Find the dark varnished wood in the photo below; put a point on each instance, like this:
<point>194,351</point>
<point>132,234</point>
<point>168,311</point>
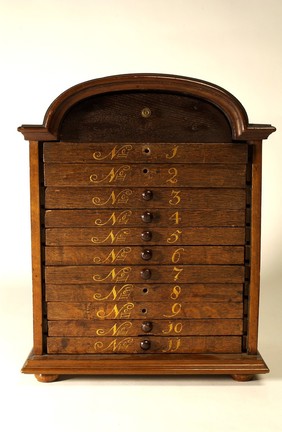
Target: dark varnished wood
<point>147,236</point>
<point>184,327</point>
<point>125,197</point>
<point>211,153</point>
<point>162,217</point>
<point>143,292</point>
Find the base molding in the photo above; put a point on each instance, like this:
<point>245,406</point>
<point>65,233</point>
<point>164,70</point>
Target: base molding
<point>241,366</point>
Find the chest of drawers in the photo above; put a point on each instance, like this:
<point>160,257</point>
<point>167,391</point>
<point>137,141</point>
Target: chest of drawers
<point>145,212</point>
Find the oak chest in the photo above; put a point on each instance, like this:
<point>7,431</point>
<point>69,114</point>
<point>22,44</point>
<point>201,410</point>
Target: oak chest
<point>145,208</point>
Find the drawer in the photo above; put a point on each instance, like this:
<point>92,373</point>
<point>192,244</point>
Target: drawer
<point>201,344</point>
<point>144,236</point>
<point>142,292</point>
<point>127,198</point>
<point>185,327</point>
<point>68,255</point>
<point>226,153</point>
<point>149,274</point>
<point>162,218</point>
<point>142,310</point>
<point>190,175</point>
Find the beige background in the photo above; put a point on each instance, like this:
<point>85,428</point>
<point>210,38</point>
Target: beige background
<point>48,46</point>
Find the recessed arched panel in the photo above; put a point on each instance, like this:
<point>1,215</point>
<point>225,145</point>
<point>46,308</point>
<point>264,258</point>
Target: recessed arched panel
<point>144,116</point>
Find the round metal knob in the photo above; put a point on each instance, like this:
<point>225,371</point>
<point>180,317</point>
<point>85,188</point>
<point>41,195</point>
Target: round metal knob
<point>145,344</point>
<point>146,235</point>
<point>147,217</point>
<point>145,274</point>
<point>147,195</point>
<point>146,254</point>
<point>147,326</point>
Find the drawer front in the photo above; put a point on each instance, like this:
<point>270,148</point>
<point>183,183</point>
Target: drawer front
<point>150,274</point>
<point>185,327</point>
<point>145,152</point>
<point>189,175</point>
<point>127,198</point>
<point>161,218</point>
<point>144,236</point>
<point>199,293</point>
<point>65,255</point>
<point>142,310</point>
<point>212,344</point>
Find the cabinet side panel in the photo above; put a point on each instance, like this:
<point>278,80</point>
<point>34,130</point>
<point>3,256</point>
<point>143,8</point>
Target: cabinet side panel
<point>36,247</point>
<point>255,248</point>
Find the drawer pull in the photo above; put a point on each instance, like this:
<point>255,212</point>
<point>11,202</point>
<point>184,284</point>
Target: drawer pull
<point>146,254</point>
<point>146,235</point>
<point>147,217</point>
<point>145,344</point>
<point>146,274</point>
<point>147,195</point>
<point>147,326</point>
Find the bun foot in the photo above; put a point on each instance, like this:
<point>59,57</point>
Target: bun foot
<point>242,377</point>
<point>46,378</point>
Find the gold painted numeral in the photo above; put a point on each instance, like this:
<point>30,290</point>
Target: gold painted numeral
<point>173,345</point>
<point>173,328</point>
<point>174,236</point>
<point>176,255</point>
<point>175,310</point>
<point>173,172</point>
<point>175,217</point>
<point>173,153</point>
<point>175,198</point>
<point>175,293</point>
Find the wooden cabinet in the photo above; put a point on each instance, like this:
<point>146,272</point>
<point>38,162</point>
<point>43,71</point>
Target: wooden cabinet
<point>145,208</point>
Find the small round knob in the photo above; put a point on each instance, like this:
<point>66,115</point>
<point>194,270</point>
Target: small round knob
<point>147,195</point>
<point>147,217</point>
<point>145,274</point>
<point>147,326</point>
<point>146,235</point>
<point>146,254</point>
<point>145,344</point>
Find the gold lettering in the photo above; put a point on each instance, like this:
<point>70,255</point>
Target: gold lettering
<point>119,237</point>
<point>175,293</point>
<point>174,151</point>
<point>116,330</point>
<point>175,198</point>
<point>122,218</point>
<point>173,173</point>
<point>120,276</point>
<point>175,310</point>
<point>116,312</point>
<point>178,271</point>
<point>175,216</point>
<point>116,345</point>
<point>122,294</point>
<point>176,255</point>
<point>113,256</point>
<point>174,237</point>
<point>173,345</point>
<point>121,198</point>
<point>173,328</point>
<point>118,153</point>
<point>114,175</point>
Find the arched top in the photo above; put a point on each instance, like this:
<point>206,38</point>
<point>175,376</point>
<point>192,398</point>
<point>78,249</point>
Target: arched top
<point>222,99</point>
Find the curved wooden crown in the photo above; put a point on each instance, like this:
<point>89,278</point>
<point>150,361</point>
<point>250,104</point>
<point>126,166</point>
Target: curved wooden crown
<point>226,102</point>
